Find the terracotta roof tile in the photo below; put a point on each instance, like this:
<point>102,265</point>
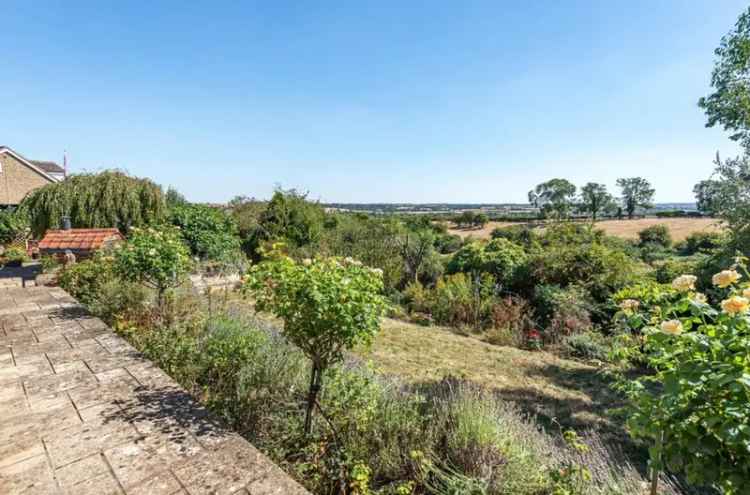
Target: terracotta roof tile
<point>78,239</point>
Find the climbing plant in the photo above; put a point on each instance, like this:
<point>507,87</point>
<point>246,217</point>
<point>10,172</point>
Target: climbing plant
<point>106,199</point>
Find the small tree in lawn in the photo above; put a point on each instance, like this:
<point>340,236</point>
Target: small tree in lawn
<point>328,306</point>
<point>157,259</point>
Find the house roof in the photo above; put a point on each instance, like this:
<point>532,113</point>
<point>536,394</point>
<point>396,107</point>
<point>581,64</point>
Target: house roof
<point>31,164</point>
<point>78,239</point>
<point>49,167</point>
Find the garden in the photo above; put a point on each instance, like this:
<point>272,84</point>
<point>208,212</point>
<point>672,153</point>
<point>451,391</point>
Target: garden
<point>382,354</point>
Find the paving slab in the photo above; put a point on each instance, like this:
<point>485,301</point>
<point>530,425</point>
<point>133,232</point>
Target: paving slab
<point>84,413</point>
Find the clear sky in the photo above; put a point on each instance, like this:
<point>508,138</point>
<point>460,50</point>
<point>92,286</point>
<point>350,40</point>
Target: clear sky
<point>378,101</point>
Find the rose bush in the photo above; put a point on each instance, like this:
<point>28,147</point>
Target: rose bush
<point>695,407</point>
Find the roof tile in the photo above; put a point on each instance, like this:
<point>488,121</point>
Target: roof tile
<point>78,239</point>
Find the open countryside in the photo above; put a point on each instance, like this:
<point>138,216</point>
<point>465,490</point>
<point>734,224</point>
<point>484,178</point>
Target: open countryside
<point>375,249</point>
<point>680,228</point>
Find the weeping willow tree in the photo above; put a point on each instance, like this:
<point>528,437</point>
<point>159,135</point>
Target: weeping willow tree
<point>107,199</point>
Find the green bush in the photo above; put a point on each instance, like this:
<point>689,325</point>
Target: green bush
<point>157,258</point>
<point>587,346</point>
<point>500,258</point>
<point>519,234</point>
<point>655,234</point>
<point>12,225</point>
<point>209,232</point>
<point>701,242</point>
<point>672,267</point>
<point>94,283</point>
<point>14,256</point>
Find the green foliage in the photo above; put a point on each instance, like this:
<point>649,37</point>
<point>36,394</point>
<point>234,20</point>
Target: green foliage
<point>106,199</point>
<point>701,242</point>
<point>370,240</point>
<point>596,200</point>
<point>471,219</point>
<point>209,232</point>
<point>173,198</point>
<point>290,217</point>
<point>500,258</point>
<point>693,409</point>
<point>553,198</point>
<point>672,267</point>
<point>95,284</point>
<point>522,235</point>
<point>562,311</point>
<point>157,258</point>
<point>587,346</point>
<point>636,193</point>
<point>14,256</point>
<point>328,306</point>
<point>574,255</point>
<point>12,225</point>
<point>656,234</point>
<point>729,194</point>
<point>729,104</point>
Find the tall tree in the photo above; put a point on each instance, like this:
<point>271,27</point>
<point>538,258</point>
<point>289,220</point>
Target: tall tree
<point>595,199</point>
<point>415,248</point>
<point>636,193</point>
<point>106,199</point>
<point>729,104</point>
<point>727,193</point>
<point>554,197</point>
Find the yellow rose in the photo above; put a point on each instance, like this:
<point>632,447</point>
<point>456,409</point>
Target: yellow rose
<point>684,283</point>
<point>671,327</point>
<point>746,293</point>
<point>725,278</point>
<point>629,304</point>
<point>735,304</point>
<point>699,298</point>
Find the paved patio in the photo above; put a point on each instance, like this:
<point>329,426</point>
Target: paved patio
<point>81,412</point>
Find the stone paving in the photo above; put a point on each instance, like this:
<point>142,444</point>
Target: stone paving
<point>82,412</point>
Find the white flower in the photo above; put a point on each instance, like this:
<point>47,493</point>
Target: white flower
<point>307,262</point>
<point>735,305</point>
<point>629,304</point>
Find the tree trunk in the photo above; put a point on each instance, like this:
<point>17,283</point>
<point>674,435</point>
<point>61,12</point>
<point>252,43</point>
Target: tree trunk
<point>312,396</point>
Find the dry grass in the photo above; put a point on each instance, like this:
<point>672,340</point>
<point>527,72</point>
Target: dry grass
<point>554,389</point>
<point>680,228</point>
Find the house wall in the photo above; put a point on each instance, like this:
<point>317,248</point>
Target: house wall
<point>17,179</point>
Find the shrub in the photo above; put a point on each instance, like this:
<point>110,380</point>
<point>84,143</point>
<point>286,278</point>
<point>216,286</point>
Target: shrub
<point>158,259</point>
<point>448,243</point>
<point>562,311</point>
<point>209,232</point>
<point>586,346</point>
<point>94,283</point>
<point>519,234</point>
<point>655,234</point>
<point>12,225</point>
<point>328,306</point>
<point>14,256</point>
<point>672,267</point>
<point>694,410</point>
<point>701,242</point>
<point>500,258</point>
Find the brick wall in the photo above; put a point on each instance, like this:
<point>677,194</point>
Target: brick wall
<point>17,179</point>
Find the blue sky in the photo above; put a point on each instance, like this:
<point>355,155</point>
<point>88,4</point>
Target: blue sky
<point>367,101</point>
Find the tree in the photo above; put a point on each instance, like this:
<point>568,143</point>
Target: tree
<point>174,197</point>
<point>481,219</point>
<point>155,258</point>
<point>328,306</point>
<point>106,199</point>
<point>729,104</point>
<point>554,197</point>
<point>636,193</point>
<point>727,193</point>
<point>415,248</point>
<point>465,219</point>
<point>209,232</point>
<point>706,193</point>
<point>595,199</point>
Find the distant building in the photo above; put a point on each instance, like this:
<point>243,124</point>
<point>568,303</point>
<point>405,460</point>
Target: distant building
<point>19,176</point>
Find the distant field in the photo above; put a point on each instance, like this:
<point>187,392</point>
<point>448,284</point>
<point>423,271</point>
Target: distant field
<point>680,228</point>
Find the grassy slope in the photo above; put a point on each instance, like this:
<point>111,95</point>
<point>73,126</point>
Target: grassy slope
<point>570,393</point>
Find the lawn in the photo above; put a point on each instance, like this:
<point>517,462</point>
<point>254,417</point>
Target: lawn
<point>556,390</point>
<point>680,228</point>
